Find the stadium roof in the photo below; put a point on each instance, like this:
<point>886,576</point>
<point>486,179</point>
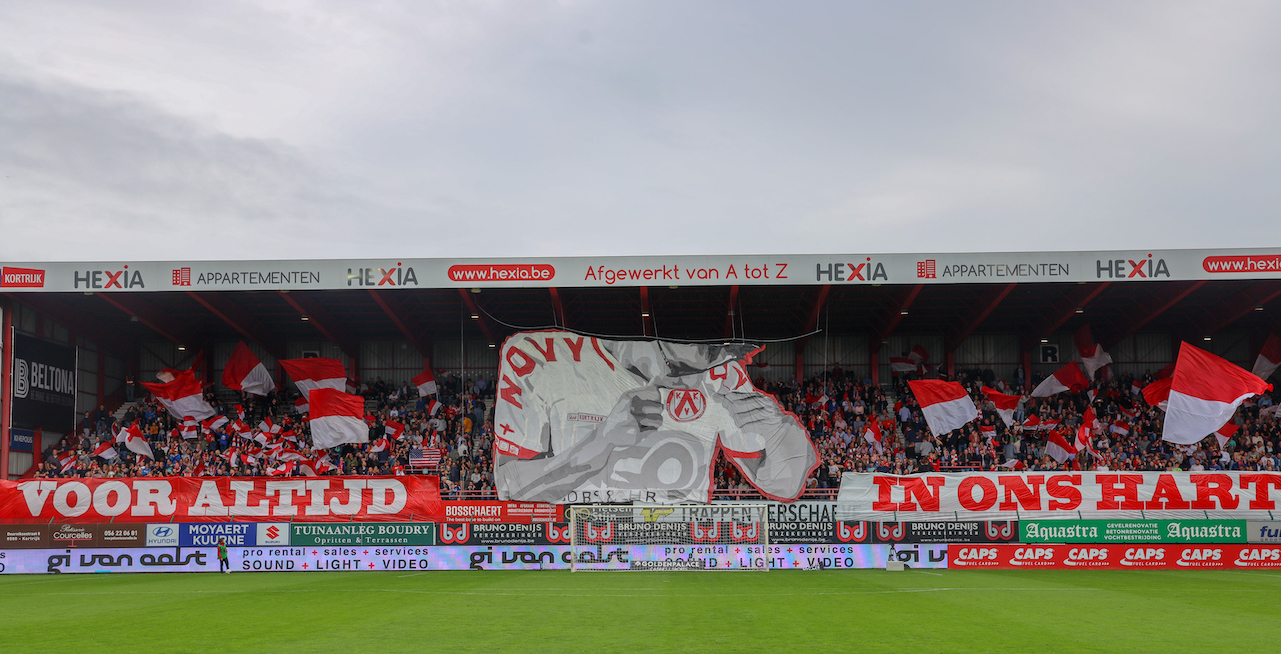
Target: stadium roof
<point>1188,293</point>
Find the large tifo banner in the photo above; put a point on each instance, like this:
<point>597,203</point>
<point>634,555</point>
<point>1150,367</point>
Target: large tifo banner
<point>585,420</point>
<point>1050,495</point>
<point>414,558</point>
<point>197,499</point>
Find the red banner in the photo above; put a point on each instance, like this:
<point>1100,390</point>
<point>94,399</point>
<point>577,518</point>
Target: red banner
<point>219,499</point>
<point>1046,495</point>
<point>501,512</point>
<point>1113,557</point>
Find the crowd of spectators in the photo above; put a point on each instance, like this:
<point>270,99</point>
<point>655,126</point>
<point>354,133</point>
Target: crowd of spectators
<point>836,408</point>
<point>461,430</point>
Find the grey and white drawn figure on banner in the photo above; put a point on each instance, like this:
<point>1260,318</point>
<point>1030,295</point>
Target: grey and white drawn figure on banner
<point>583,420</point>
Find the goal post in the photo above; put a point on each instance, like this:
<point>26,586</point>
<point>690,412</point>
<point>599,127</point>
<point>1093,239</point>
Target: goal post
<point>669,537</point>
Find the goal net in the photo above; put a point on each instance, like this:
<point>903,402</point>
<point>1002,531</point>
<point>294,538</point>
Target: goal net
<point>669,537</point>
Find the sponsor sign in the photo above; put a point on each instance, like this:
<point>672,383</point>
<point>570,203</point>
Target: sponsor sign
<point>1049,496</point>
<point>1133,531</point>
<point>112,559</point>
<point>44,384</point>
<point>371,558</point>
<point>501,512</point>
<point>631,271</point>
<point>91,535</point>
<point>701,402</point>
<point>1115,557</point>
<point>272,534</point>
<point>24,536</point>
<point>162,535</point>
<point>534,533</point>
<point>236,534</point>
<point>21,277</point>
<point>191,499</point>
<point>1263,532</point>
<point>21,440</point>
<point>362,534</point>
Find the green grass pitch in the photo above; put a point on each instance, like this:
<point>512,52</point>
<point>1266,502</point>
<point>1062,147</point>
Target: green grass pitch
<point>787,611</point>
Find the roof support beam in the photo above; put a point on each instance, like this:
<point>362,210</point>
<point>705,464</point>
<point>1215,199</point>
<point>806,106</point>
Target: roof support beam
<point>983,307</point>
<point>647,321</point>
<point>1146,311</point>
<point>476,315</point>
<point>810,324</point>
<point>894,315</point>
<point>1235,308</point>
<point>105,337</point>
<point>147,314</point>
<point>1067,306</point>
<point>324,322</point>
<point>557,307</point>
<point>240,320</point>
<point>731,311</point>
<point>395,311</point>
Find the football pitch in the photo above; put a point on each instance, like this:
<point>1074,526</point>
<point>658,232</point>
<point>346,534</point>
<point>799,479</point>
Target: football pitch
<point>784,611</point>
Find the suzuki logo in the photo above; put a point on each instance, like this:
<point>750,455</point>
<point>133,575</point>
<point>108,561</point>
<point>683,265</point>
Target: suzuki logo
<point>686,404</point>
<point>273,532</point>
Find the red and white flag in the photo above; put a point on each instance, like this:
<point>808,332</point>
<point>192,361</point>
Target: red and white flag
<point>378,445</point>
<point>1092,355</point>
<point>1032,423</point>
<point>1120,427</point>
<point>353,386</point>
<point>426,383</point>
<point>1157,393</point>
<point>433,407</point>
<point>1067,378</point>
<point>1083,438</point>
<point>1050,423</point>
<point>1005,405</point>
<point>1136,387</point>
<point>1165,372</point>
<point>1058,448</point>
<point>199,470</point>
<point>244,372</point>
<point>190,428</point>
<point>394,430</point>
<point>989,433</point>
<point>300,406</point>
<point>268,426</point>
<point>1224,434</point>
<point>240,412</point>
<point>106,451</point>
<point>182,396</point>
<point>337,418</point>
<point>136,443</point>
<point>310,374</point>
<point>913,362</point>
<point>1268,360</point>
<point>66,461</point>
<point>945,405</point>
<point>232,455</point>
<point>215,422</point>
<point>873,436</point>
<point>281,470</point>
<point>1012,464</point>
<point>1090,420</point>
<point>1206,391</point>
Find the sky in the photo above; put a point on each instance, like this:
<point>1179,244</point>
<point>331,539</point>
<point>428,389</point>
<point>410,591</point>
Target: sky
<point>298,129</point>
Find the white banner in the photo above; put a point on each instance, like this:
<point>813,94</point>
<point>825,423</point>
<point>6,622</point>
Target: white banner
<point>1048,495</point>
<point>743,270</point>
<point>583,420</point>
<point>528,557</point>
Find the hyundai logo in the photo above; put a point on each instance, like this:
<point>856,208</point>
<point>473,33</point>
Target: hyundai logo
<point>163,532</point>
